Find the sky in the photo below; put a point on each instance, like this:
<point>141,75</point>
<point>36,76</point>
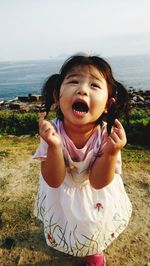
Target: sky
<point>43,29</point>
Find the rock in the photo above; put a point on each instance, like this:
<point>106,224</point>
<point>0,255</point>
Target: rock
<point>147,97</point>
<point>23,99</point>
<point>135,98</point>
<point>14,106</point>
<point>139,98</point>
<point>140,104</point>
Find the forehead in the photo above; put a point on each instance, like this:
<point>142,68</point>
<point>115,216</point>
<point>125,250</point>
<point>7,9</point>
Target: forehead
<point>86,70</point>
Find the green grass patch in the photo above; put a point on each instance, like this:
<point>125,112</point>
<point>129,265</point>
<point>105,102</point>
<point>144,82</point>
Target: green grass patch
<point>136,154</point>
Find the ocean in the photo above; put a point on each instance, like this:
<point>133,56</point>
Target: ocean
<point>19,78</point>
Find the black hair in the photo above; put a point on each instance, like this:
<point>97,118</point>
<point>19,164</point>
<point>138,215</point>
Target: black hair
<point>51,89</point>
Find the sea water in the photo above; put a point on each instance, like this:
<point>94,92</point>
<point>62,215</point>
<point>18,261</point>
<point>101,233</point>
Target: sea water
<point>19,78</point>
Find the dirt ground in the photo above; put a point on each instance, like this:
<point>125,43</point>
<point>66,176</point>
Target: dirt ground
<point>22,241</point>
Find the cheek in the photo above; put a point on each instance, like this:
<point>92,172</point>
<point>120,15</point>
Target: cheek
<point>64,91</point>
<point>64,99</point>
<point>101,99</point>
<point>65,94</point>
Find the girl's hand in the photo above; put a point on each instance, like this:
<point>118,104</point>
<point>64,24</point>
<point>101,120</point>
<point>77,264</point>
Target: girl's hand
<point>48,132</point>
<point>116,140</point>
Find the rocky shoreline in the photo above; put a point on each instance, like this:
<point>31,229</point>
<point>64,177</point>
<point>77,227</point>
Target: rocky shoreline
<point>32,103</point>
<point>139,98</point>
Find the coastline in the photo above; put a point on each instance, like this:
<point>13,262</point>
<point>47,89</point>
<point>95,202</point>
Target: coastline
<point>32,103</point>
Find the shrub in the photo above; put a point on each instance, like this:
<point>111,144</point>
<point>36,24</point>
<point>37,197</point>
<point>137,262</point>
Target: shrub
<point>138,113</point>
<point>20,124</point>
<point>138,131</point>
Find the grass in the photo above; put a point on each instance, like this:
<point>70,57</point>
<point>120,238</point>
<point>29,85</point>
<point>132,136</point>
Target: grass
<point>22,241</point>
<point>136,156</point>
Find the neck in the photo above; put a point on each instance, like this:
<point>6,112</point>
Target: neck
<point>79,134</point>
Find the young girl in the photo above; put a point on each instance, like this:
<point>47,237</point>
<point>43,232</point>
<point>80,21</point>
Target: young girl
<point>81,200</point>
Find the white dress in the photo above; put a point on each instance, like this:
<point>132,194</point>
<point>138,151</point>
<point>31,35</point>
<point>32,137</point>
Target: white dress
<point>78,219</point>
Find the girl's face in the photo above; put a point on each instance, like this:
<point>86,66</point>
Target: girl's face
<point>83,96</point>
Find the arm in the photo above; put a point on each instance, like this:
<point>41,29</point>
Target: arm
<point>53,168</point>
<point>103,169</point>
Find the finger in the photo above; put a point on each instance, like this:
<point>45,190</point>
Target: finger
<point>45,125</point>
<point>42,116</point>
<point>48,127</point>
<point>120,132</point>
<point>114,137</point>
<point>118,124</point>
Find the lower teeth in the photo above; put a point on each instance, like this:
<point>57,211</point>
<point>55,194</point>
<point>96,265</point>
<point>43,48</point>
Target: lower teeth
<point>81,112</point>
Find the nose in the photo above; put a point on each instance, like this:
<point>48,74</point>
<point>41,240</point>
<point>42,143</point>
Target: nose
<point>82,90</point>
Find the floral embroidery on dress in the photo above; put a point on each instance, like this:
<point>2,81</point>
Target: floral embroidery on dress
<point>98,206</point>
<point>112,235</point>
<point>51,240</point>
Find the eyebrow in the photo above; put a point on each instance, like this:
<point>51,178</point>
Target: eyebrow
<point>80,75</point>
<point>72,75</point>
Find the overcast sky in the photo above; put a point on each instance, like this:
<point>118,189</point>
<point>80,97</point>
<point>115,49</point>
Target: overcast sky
<point>39,29</point>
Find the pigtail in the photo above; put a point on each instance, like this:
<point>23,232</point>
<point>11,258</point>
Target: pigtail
<point>121,106</point>
<point>50,92</point>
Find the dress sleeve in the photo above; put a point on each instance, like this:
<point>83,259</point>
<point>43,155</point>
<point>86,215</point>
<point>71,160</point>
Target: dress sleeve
<point>41,152</point>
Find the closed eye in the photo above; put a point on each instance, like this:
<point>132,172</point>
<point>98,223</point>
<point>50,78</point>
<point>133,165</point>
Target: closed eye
<point>74,82</point>
<point>95,85</point>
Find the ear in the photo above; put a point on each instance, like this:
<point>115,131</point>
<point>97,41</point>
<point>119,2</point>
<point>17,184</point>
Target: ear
<point>57,103</point>
<point>110,102</point>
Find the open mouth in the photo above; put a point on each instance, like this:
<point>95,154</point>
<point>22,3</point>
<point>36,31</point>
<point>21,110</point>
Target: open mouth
<point>80,106</point>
